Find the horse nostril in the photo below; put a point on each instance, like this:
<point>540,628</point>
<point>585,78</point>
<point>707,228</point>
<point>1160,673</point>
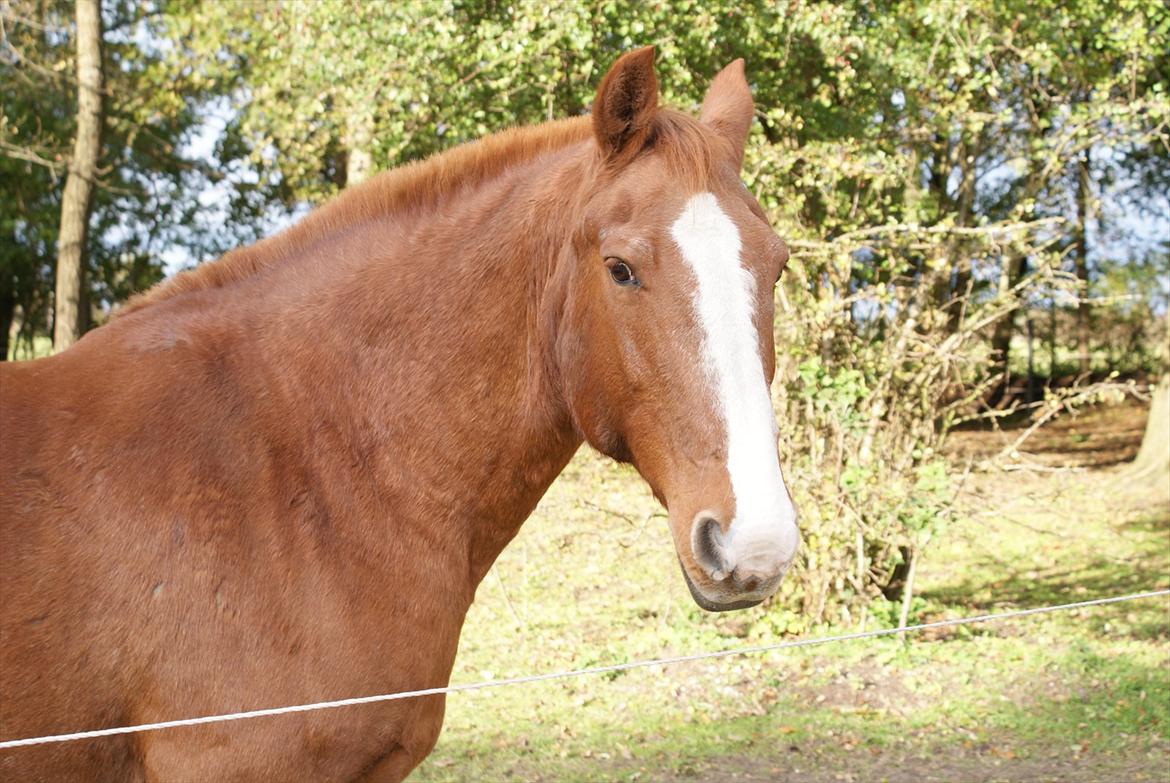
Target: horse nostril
<point>751,584</point>
<point>708,548</point>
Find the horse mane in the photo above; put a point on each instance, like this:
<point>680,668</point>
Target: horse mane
<point>691,150</point>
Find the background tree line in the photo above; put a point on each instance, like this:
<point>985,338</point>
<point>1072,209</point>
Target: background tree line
<point>963,185</point>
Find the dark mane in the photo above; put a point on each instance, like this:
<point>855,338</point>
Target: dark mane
<point>689,149</point>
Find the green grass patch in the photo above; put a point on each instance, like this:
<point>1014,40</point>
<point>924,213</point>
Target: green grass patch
<point>592,579</point>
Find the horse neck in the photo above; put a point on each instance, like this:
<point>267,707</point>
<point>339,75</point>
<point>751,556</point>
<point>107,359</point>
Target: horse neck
<point>431,349</point>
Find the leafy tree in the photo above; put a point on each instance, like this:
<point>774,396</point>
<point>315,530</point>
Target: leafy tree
<point>938,168</point>
<point>146,198</point>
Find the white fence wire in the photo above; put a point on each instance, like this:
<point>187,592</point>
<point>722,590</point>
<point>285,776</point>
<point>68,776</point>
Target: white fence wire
<point>617,667</point>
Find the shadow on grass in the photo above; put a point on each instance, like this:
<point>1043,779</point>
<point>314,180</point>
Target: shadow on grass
<point>1157,524</point>
<point>1144,568</point>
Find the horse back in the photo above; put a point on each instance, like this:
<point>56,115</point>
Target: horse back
<point>169,547</point>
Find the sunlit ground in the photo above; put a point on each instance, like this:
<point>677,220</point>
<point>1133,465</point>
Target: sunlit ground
<point>592,579</point>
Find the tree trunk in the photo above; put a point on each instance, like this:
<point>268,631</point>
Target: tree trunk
<point>895,587</point>
<point>359,162</point>
<point>1005,327</point>
<point>965,207</point>
<point>1153,459</point>
<point>1051,339</point>
<point>1082,259</point>
<point>7,308</point>
<point>1031,363</point>
<point>78,197</point>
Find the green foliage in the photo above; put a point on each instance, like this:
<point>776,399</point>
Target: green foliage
<point>831,393</point>
<point>916,156</point>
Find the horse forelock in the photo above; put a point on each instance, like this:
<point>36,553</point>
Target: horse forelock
<point>690,150</point>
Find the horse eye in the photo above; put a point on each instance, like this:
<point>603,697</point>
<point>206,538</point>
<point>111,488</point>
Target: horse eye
<point>622,274</point>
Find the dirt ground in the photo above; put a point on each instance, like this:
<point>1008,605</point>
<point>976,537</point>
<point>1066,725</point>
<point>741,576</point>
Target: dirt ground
<point>1098,437</point>
<point>829,762</point>
<point>977,764</point>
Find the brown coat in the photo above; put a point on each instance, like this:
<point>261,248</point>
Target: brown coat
<point>279,478</point>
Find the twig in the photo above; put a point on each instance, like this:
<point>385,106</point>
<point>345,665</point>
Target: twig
<point>507,598</point>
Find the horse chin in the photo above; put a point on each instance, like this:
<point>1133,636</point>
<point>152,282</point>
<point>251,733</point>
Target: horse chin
<point>711,606</point>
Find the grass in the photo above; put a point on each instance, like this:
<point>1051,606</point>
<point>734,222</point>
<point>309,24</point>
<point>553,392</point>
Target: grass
<point>592,579</point>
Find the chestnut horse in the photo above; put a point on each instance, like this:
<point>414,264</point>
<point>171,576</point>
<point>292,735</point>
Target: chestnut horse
<point>279,477</point>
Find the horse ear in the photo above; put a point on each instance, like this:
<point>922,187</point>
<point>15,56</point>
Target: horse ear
<point>626,102</point>
<point>728,109</point>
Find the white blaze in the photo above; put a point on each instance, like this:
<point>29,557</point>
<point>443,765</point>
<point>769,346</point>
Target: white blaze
<point>763,534</point>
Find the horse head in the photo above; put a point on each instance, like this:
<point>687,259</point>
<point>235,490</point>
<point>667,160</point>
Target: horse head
<point>665,347</point>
